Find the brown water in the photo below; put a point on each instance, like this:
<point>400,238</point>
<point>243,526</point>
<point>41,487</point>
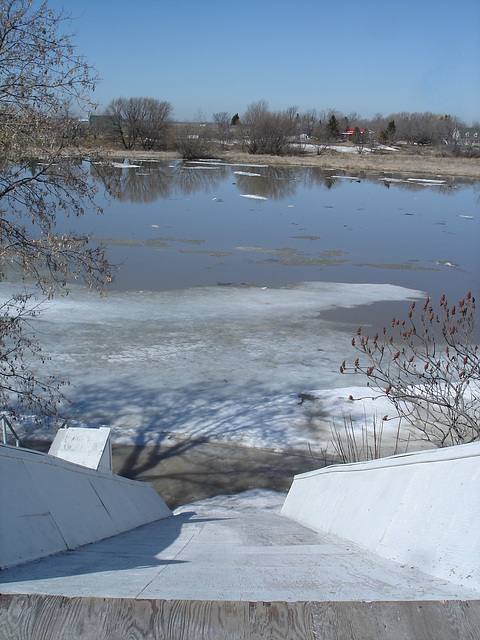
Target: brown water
<point>192,470</point>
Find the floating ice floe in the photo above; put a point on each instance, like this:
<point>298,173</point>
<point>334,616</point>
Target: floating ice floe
<point>425,181</point>
<point>392,179</point>
<point>201,166</point>
<point>466,217</point>
<point>253,197</point>
<point>255,166</point>
<point>248,173</point>
<point>125,165</point>
<point>445,263</point>
<point>213,162</point>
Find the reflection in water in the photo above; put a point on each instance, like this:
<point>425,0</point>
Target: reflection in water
<point>150,181</point>
<point>147,183</point>
<point>195,177</point>
<point>276,183</point>
<point>302,224</point>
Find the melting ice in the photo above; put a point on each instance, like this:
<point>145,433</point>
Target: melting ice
<point>247,365</point>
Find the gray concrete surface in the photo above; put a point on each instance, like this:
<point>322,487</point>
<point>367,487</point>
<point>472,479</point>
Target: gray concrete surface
<point>211,551</point>
<point>420,509</point>
<point>48,505</point>
<point>230,568</point>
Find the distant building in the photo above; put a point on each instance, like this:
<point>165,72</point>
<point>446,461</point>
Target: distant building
<point>467,135</point>
<point>348,133</point>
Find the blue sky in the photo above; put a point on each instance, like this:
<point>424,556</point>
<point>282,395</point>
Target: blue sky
<point>212,55</point>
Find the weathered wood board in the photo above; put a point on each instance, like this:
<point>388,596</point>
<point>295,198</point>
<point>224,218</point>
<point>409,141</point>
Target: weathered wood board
<point>39,617</point>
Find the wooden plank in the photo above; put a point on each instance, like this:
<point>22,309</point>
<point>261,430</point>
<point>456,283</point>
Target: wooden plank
<point>41,617</point>
<point>285,620</point>
<point>36,617</point>
<point>414,620</point>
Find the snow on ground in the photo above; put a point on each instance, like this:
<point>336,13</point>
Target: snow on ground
<point>254,366</point>
<point>313,148</point>
<point>252,500</point>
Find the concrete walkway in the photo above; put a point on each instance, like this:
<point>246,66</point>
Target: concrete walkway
<point>230,567</point>
<point>214,551</point>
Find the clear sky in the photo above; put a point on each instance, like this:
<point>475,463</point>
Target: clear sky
<point>220,55</point>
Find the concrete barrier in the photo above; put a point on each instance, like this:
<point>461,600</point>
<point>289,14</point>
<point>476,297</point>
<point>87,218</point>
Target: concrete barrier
<point>421,509</point>
<point>49,505</point>
<point>90,448</point>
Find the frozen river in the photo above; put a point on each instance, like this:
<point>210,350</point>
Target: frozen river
<point>226,321</point>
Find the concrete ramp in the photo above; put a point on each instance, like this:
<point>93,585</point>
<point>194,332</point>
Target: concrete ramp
<point>230,567</point>
<point>49,505</point>
<point>420,509</point>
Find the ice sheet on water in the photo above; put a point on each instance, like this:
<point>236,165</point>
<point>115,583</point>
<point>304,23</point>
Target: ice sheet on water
<point>233,364</point>
<point>125,165</point>
<point>425,181</point>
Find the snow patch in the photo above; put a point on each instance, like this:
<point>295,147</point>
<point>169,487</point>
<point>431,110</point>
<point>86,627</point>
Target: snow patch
<point>240,365</point>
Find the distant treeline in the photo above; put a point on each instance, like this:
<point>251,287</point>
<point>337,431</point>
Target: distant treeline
<point>147,123</point>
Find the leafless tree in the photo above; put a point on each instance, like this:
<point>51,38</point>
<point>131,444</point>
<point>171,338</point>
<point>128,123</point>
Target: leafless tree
<point>308,122</point>
<point>124,117</point>
<point>143,120</point>
<point>428,366</point>
<point>193,141</point>
<point>222,121</point>
<point>155,123</point>
<point>41,80</point>
<point>268,132</point>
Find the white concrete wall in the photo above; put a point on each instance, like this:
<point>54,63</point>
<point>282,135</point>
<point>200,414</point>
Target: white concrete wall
<point>48,505</point>
<point>87,447</point>
<point>421,509</point>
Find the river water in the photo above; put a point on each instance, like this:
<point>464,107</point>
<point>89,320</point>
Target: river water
<point>215,356</point>
<point>195,224</point>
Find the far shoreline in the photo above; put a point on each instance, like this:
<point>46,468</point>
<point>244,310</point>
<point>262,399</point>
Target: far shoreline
<point>423,162</point>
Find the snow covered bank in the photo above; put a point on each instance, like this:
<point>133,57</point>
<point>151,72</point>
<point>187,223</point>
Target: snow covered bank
<point>248,365</point>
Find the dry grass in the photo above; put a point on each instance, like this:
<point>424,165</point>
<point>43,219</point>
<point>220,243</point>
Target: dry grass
<point>389,162</point>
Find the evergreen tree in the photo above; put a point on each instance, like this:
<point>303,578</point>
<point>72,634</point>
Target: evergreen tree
<point>391,131</point>
<point>332,129</point>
